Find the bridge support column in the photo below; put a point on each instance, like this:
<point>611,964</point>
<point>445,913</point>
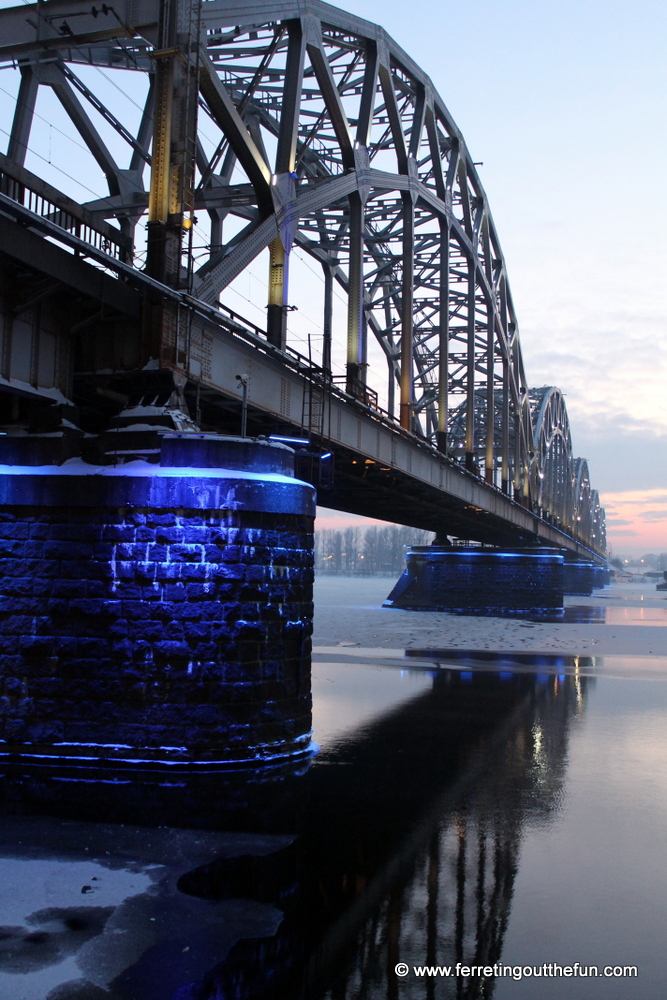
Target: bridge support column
<point>479,580</point>
<point>579,576</point>
<point>158,614</point>
<point>276,316</point>
<point>356,327</point>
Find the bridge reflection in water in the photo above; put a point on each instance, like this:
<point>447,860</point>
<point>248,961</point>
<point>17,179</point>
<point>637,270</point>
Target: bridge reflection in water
<point>402,844</point>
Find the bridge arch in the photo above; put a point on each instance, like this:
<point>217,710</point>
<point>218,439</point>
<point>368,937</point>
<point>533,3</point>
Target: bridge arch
<point>552,462</point>
<point>584,500</point>
<point>291,127</point>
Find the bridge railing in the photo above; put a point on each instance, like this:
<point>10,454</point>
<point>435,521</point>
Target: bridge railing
<point>361,392</point>
<point>42,199</point>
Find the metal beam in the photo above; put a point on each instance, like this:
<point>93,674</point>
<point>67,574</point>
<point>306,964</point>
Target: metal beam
<point>407,313</point>
<point>470,368</point>
<point>20,244</point>
<point>87,131</point>
<point>356,348</point>
<point>330,95</point>
<point>291,102</point>
<point>224,112</point>
<point>66,24</point>
<point>443,341</point>
<point>22,122</point>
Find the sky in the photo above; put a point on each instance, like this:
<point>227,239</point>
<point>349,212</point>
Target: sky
<point>563,102</point>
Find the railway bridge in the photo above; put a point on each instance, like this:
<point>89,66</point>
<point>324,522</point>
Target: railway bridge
<point>165,161</point>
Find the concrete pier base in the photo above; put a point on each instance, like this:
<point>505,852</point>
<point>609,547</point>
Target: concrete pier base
<point>157,614</point>
<point>482,580</point>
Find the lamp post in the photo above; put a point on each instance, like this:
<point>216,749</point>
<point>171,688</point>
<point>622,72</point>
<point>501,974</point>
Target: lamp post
<point>242,381</point>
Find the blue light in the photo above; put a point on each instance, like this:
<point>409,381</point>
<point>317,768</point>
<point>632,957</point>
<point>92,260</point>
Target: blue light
<point>491,552</point>
<point>288,440</point>
<point>466,676</point>
<point>327,454</point>
<point>505,675</point>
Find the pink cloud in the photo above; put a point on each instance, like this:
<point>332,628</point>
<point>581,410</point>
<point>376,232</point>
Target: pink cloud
<point>645,514</point>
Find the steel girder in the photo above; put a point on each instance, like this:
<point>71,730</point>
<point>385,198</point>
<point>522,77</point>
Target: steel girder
<point>328,137</point>
<point>589,519</point>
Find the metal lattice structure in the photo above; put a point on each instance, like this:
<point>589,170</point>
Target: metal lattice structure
<point>321,134</point>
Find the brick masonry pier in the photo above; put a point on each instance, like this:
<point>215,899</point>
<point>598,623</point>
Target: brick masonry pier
<point>158,613</point>
<point>474,579</point>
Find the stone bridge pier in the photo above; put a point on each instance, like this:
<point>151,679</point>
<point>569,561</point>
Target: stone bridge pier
<point>158,614</point>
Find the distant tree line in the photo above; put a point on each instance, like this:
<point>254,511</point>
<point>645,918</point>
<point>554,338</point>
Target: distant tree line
<point>371,551</point>
<point>649,561</point>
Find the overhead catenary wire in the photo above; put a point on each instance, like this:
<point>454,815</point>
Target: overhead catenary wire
<point>59,169</point>
<point>50,124</point>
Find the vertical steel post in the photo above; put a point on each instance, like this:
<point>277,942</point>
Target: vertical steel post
<point>279,250</point>
<point>489,461</point>
<point>443,343</point>
<point>518,469</point>
<point>407,318</point>
<point>161,189</point>
<point>470,371</point>
<point>216,231</point>
<point>526,485</point>
<point>171,197</point>
<point>391,387</point>
<point>356,320</point>
<point>276,318</point>
<point>327,323</point>
<point>505,428</point>
<point>244,409</point>
<point>356,369</point>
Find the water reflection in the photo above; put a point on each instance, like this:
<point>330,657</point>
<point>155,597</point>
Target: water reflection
<point>502,658</point>
<point>588,614</point>
<point>448,887</point>
<point>570,614</point>
<point>399,843</point>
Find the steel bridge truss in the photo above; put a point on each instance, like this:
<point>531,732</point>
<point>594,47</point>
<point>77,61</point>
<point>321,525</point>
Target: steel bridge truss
<point>321,134</point>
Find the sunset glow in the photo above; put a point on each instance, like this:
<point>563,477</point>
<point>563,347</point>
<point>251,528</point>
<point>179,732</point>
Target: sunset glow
<point>637,520</point>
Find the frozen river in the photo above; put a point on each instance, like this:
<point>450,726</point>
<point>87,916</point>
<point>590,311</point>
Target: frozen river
<point>488,806</point>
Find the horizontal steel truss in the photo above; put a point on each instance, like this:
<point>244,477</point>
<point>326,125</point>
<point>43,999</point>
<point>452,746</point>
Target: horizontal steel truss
<point>329,138</point>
